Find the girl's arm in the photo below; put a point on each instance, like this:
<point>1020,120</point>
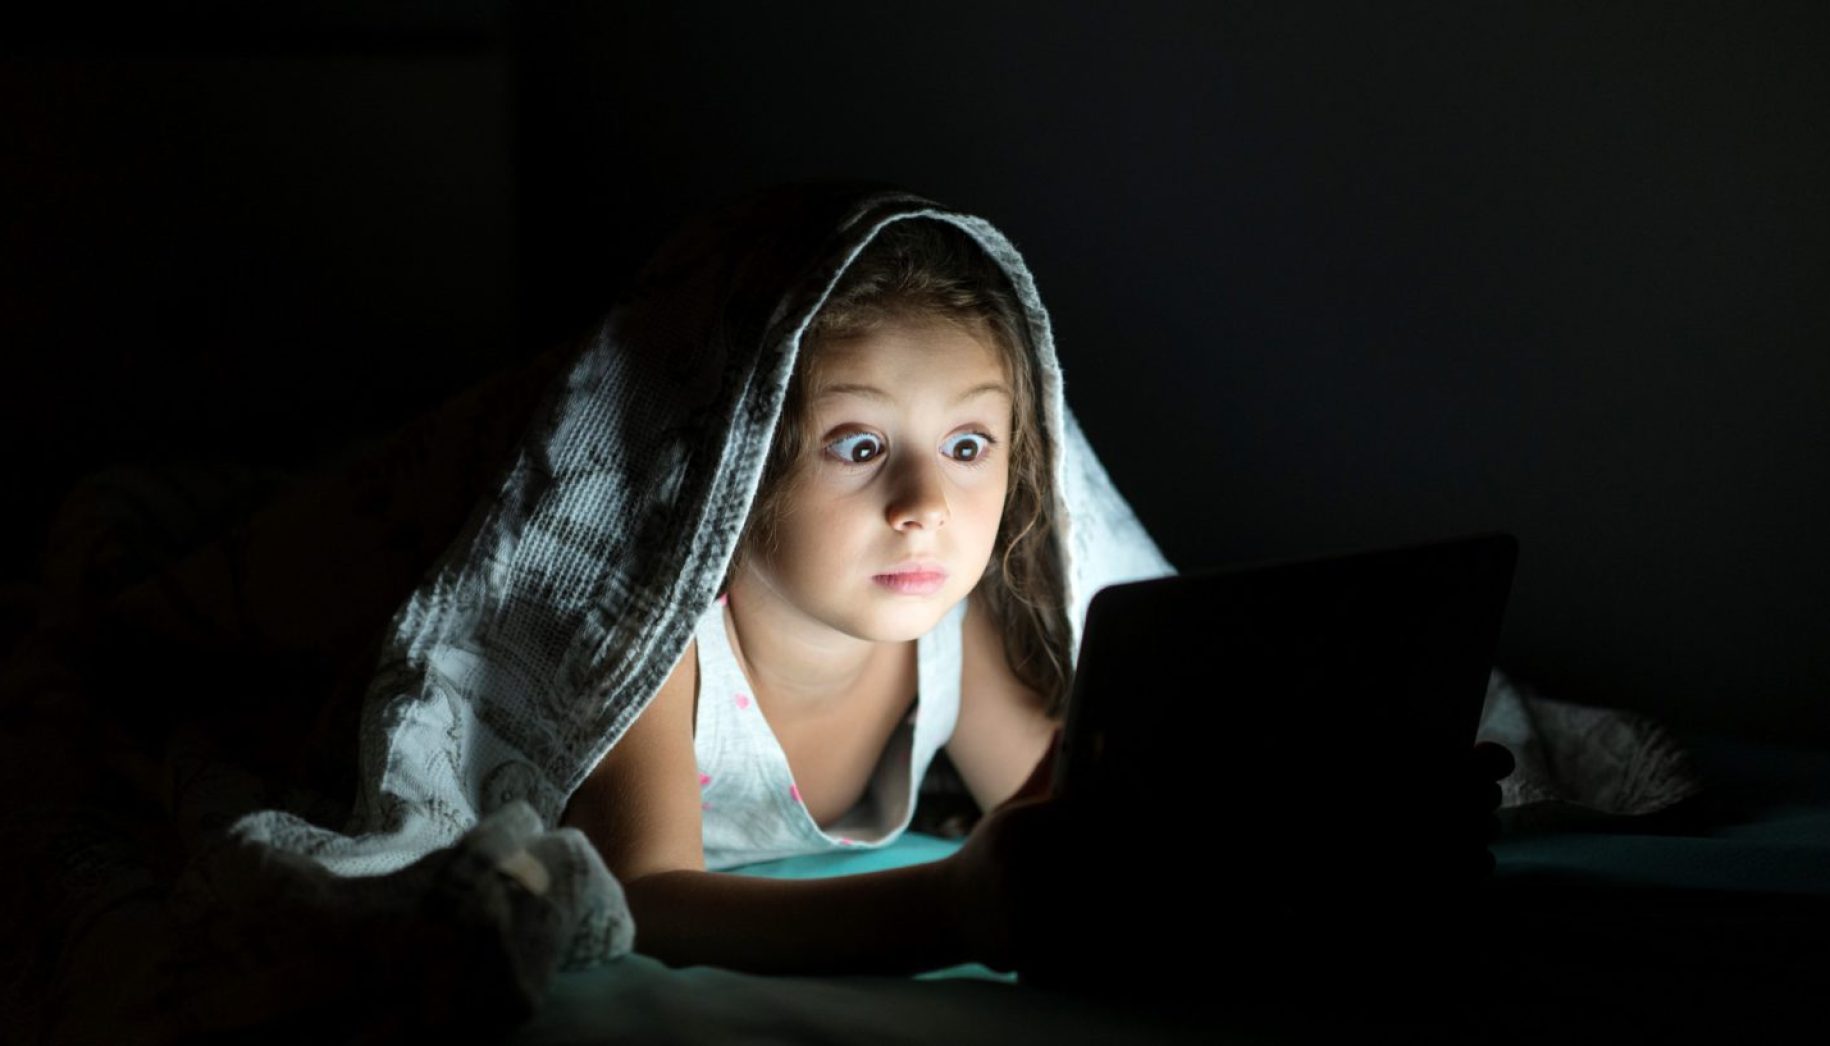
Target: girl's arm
<point>640,807</point>
<point>897,922</point>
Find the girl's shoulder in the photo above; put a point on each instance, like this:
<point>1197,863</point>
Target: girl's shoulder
<point>685,678</point>
<point>639,805</point>
<point>677,699</point>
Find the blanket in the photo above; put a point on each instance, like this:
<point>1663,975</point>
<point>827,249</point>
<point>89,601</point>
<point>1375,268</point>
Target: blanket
<point>536,635</point>
<point>552,619</point>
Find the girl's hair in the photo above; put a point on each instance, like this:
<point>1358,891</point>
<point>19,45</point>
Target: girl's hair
<point>922,269</point>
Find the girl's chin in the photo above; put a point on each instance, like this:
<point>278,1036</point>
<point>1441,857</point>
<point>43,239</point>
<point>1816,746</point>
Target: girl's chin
<point>912,620</point>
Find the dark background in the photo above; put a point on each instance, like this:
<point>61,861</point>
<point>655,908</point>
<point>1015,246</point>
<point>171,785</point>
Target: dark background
<point>1324,277</point>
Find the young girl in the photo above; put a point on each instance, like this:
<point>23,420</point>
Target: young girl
<point>807,506</point>
<point>895,589</point>
<point>898,586</point>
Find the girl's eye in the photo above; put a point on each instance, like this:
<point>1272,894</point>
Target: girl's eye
<point>857,448</point>
<point>967,447</point>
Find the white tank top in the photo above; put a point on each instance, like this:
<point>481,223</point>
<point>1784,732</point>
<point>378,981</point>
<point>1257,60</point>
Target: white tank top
<point>750,807</point>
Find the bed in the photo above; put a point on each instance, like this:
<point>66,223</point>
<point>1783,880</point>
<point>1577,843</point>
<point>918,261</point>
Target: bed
<point>1710,922</point>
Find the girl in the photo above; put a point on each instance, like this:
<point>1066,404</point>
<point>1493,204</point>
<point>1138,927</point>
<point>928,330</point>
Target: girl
<point>896,578</point>
<point>805,507</point>
<point>898,585</point>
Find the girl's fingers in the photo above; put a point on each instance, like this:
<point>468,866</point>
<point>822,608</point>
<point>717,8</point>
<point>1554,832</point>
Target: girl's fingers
<point>1492,760</point>
<point>1479,793</point>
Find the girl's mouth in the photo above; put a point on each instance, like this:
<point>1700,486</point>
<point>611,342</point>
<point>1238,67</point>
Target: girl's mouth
<point>913,582</point>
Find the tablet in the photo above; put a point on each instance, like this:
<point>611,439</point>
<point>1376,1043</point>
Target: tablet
<point>1290,719</point>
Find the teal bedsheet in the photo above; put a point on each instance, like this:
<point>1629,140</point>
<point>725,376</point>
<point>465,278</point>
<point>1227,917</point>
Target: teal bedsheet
<point>1716,931</point>
<point>1762,827</point>
<point>911,848</point>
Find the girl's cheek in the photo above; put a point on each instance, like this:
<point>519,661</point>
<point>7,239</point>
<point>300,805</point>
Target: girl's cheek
<point>833,481</point>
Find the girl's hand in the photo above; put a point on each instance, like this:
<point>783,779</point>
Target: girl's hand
<point>1457,861</point>
<point>1005,876</point>
<point>1008,882</point>
<point>1443,845</point>
<point>1488,762</point>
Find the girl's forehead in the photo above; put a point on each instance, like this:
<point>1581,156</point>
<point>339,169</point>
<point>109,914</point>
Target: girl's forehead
<point>940,381</point>
<point>902,346</point>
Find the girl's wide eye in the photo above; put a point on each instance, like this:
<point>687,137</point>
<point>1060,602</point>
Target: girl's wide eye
<point>966,447</point>
<point>857,448</point>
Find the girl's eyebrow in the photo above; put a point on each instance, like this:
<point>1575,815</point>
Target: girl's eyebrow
<point>872,392</point>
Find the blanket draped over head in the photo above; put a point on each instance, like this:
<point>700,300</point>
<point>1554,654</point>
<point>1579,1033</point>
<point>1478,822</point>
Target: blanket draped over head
<point>555,615</point>
<point>541,633</point>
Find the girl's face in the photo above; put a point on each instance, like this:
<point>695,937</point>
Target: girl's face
<point>891,521</point>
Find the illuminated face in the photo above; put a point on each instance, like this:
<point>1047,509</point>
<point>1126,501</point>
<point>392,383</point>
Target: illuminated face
<point>891,520</point>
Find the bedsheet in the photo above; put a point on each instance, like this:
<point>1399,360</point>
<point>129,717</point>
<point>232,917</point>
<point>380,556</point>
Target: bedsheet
<point>1710,925</point>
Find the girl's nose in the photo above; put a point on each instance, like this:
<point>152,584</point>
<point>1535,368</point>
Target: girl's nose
<point>918,501</point>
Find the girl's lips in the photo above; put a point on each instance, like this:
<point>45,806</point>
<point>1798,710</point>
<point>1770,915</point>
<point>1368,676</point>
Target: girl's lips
<point>913,582</point>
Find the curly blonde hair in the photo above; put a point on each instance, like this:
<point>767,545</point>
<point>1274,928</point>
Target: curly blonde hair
<point>920,269</point>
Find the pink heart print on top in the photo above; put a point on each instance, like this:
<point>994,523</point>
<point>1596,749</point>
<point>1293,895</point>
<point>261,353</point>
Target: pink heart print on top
<point>704,779</point>
<point>743,700</point>
<point>795,791</point>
